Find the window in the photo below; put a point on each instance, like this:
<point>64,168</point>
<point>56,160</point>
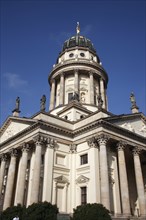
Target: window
<point>70,96</point>
<point>84,159</point>
<point>83,195</point>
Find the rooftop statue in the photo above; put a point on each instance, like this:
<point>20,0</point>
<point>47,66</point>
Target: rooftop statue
<point>43,103</point>
<point>17,104</point>
<point>78,28</point>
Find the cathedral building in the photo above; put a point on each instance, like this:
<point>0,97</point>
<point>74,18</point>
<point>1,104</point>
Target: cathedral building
<point>77,152</point>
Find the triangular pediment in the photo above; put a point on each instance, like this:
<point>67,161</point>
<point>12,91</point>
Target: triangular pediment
<point>82,179</point>
<point>13,126</point>
<point>135,123</point>
<point>61,179</point>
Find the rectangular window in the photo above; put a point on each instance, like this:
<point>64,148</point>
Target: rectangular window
<point>83,195</point>
<point>84,159</point>
<point>70,96</point>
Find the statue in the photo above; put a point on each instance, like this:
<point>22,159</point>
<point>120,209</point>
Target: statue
<point>132,99</point>
<point>17,104</point>
<point>75,97</point>
<point>78,28</point>
<point>43,103</point>
<point>100,101</point>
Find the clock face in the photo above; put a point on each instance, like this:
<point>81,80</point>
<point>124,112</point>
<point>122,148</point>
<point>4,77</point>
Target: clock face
<point>82,54</point>
<point>71,55</point>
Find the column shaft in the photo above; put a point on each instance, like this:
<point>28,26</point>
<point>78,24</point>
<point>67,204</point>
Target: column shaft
<point>104,182</point>
<point>36,173</point>
<point>123,180</point>
<point>102,91</point>
<point>48,174</point>
<point>61,100</point>
<point>76,85</point>
<point>21,177</point>
<point>2,171</point>
<point>52,98</point>
<point>91,89</point>
<point>10,180</point>
<point>139,182</point>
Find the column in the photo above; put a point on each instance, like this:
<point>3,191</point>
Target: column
<point>105,199</point>
<point>2,170</point>
<point>91,88</point>
<point>65,198</point>
<point>10,180</point>
<point>52,98</point>
<point>36,170</point>
<point>48,170</point>
<point>61,100</point>
<point>76,83</point>
<point>94,171</point>
<point>22,175</point>
<point>102,91</point>
<point>139,182</point>
<point>123,179</point>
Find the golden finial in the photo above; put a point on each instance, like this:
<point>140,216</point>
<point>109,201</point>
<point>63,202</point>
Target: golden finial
<point>78,28</point>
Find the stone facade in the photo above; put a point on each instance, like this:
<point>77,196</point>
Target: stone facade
<point>77,152</point>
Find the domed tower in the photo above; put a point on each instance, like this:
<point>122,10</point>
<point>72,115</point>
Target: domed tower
<point>78,76</point>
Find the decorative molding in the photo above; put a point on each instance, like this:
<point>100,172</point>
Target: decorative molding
<point>73,148</point>
<point>82,179</point>
<point>61,179</point>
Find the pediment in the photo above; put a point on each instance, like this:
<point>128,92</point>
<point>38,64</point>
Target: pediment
<point>61,179</point>
<point>13,126</point>
<point>135,123</point>
<point>82,179</point>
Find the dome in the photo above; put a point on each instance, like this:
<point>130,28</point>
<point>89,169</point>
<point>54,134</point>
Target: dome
<point>79,41</point>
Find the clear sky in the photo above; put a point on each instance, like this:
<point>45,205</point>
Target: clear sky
<point>32,35</point>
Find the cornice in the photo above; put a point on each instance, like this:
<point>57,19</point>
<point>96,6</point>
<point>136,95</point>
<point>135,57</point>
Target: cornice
<point>74,133</point>
<point>86,63</point>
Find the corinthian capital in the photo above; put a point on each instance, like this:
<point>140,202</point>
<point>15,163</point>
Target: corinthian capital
<point>13,152</point>
<point>73,148</point>
<point>52,143</point>
<point>136,151</point>
<point>102,139</point>
<point>39,140</point>
<point>92,142</point>
<point>25,147</point>
<point>121,145</point>
<point>4,157</point>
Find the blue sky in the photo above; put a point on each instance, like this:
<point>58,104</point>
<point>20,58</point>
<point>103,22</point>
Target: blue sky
<point>32,35</point>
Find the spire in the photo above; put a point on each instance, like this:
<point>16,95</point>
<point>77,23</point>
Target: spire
<point>78,28</point>
<point>134,107</point>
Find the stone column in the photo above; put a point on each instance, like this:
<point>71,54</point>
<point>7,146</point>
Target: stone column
<point>91,88</point>
<point>123,179</point>
<point>61,99</point>
<point>104,182</point>
<point>10,180</point>
<point>52,98</point>
<point>94,171</point>
<point>102,91</point>
<point>139,181</point>
<point>65,197</point>
<point>22,175</point>
<point>2,170</point>
<point>48,170</point>
<point>76,82</point>
<point>36,169</point>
